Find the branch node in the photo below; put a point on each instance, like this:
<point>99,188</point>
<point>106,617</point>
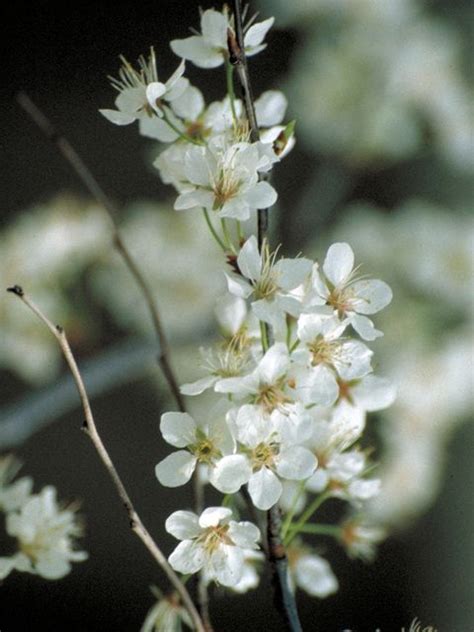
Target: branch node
<point>16,289</point>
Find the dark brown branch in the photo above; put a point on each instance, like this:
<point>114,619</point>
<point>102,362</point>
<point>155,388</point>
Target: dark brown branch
<point>90,428</point>
<point>238,59</point>
<point>284,598</point>
<point>85,175</point>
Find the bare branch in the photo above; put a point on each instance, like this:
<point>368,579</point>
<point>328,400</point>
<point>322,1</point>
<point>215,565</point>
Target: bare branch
<point>88,179</point>
<point>90,428</point>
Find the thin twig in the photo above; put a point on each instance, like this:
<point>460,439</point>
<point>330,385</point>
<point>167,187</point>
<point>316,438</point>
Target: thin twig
<point>284,598</point>
<point>90,182</point>
<point>237,58</point>
<point>90,428</point>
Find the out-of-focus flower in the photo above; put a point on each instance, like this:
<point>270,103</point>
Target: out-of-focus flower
<point>374,76</point>
<point>47,250</point>
<point>45,536</point>
<point>166,615</point>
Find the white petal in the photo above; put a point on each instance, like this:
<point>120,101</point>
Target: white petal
<point>365,488</point>
<point>261,195</point>
<point>118,118</point>
<point>238,286</point>
<point>131,100</point>
<point>176,76</point>
<point>372,295</point>
<point>155,91</point>
<point>274,363</point>
<point>178,429</point>
<point>314,575</point>
<point>244,534</point>
<point>197,50</point>
<point>212,516</point>
<point>226,565</point>
<point>194,199</point>
<point>198,387</point>
<point>188,557</point>
<point>230,312</point>
<point>269,311</point>
<point>364,327</point>
<point>338,263</point>
<point>320,387</point>
<point>296,463</point>
<point>157,129</point>
<point>230,473</point>
<point>189,105</point>
<point>52,565</point>
<point>176,469</point>
<point>264,489</point>
<point>256,34</point>
<point>374,393</point>
<point>250,260</point>
<point>178,88</point>
<point>240,386</point>
<point>183,525</point>
<point>354,360</point>
<point>270,108</point>
<point>196,167</point>
<point>214,28</point>
<point>292,272</point>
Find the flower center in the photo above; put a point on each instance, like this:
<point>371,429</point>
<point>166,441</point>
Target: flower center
<point>263,455</point>
<point>205,451</point>
<point>213,537</point>
<point>322,350</point>
<point>271,396</point>
<point>225,187</point>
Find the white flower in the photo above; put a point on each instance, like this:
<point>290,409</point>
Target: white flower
<point>269,283</point>
<point>225,180</point>
<point>326,358</point>
<point>204,444</point>
<point>45,535</point>
<point>209,49</point>
<point>166,615</point>
<point>140,91</point>
<point>264,456</point>
<point>212,542</point>
<point>350,296</point>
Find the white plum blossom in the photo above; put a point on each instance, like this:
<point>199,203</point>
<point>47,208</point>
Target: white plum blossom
<point>210,50</point>
<point>225,181</point>
<point>211,542</point>
<point>205,444</point>
<point>45,537</point>
<point>139,91</point>
<point>264,457</point>
<point>326,357</point>
<point>350,295</point>
<point>268,283</point>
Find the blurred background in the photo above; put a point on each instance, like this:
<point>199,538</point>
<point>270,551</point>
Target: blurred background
<point>382,94</point>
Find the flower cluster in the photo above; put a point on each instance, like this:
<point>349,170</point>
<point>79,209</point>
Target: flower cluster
<point>292,377</point>
<point>44,532</point>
